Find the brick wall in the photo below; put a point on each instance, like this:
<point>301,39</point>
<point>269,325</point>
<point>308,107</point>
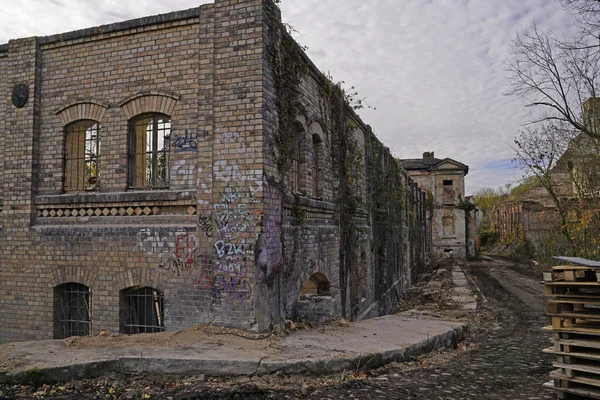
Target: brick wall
<point>222,242</point>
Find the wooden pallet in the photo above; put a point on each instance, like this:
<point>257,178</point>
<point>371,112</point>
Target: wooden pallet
<point>574,305</point>
<point>572,390</point>
<point>572,273</point>
<point>574,290</point>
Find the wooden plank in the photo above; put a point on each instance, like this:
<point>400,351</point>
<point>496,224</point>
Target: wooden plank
<point>557,374</point>
<point>576,314</point>
<point>574,283</point>
<point>590,393</point>
<point>584,355</point>
<point>572,268</point>
<point>578,367</point>
<point>578,261</point>
<point>591,344</point>
<point>593,300</point>
<point>572,296</point>
<point>580,330</point>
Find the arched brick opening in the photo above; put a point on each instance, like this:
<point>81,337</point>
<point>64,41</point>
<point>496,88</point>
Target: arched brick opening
<point>317,284</point>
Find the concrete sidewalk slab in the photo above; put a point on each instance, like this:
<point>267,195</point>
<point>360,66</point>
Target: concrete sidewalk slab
<point>329,349</point>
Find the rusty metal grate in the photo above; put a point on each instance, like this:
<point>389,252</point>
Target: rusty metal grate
<point>72,310</point>
<point>144,308</point>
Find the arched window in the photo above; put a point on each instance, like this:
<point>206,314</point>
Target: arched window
<point>149,147</point>
<point>141,310</point>
<point>72,310</point>
<point>82,156</point>
<point>317,169</point>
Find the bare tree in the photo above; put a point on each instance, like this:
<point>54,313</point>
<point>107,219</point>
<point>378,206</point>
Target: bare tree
<point>539,150</point>
<point>555,77</point>
<point>587,13</point>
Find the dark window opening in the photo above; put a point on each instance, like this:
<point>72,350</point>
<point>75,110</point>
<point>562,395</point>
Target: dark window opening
<point>71,310</point>
<point>149,149</point>
<point>142,310</point>
<point>448,192</point>
<point>82,156</point>
<point>316,285</point>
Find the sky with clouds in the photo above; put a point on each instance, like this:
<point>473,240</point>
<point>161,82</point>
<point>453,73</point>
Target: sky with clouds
<point>433,70</point>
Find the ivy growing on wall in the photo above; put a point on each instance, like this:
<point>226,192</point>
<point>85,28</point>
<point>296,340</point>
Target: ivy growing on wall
<point>289,70</point>
<point>384,190</point>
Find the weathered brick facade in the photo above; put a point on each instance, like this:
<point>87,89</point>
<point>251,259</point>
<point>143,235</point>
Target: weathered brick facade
<point>226,241</point>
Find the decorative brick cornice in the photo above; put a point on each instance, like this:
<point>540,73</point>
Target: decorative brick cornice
<point>150,101</point>
<point>80,109</point>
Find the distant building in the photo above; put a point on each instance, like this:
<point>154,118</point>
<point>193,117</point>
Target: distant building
<point>444,181</point>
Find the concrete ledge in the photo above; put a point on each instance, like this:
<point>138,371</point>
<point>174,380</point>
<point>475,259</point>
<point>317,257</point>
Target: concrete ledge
<point>244,365</point>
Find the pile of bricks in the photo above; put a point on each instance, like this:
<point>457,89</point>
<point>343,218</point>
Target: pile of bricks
<point>574,305</point>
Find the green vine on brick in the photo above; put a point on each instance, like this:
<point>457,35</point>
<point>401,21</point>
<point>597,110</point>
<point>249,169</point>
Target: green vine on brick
<point>289,70</point>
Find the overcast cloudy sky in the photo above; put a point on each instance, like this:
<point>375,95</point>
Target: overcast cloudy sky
<point>434,69</point>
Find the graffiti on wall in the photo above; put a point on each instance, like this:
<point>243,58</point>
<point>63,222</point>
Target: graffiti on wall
<point>185,142</point>
<point>224,268</point>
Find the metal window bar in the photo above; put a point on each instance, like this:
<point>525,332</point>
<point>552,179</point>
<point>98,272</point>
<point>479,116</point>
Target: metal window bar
<point>82,156</point>
<point>73,314</point>
<point>145,311</point>
<point>150,144</point>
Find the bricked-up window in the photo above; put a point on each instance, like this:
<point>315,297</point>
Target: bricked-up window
<point>71,310</point>
<point>82,156</point>
<point>149,145</point>
<point>141,310</point>
<point>317,165</point>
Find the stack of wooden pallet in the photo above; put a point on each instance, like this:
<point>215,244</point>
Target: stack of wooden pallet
<point>574,305</point>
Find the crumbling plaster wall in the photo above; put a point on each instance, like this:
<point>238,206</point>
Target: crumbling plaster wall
<point>448,227</point>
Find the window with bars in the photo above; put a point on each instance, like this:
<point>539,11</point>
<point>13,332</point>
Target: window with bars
<point>82,156</point>
<point>142,310</point>
<point>149,148</point>
<point>72,310</point>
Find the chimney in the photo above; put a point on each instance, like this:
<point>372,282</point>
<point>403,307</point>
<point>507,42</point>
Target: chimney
<point>428,158</point>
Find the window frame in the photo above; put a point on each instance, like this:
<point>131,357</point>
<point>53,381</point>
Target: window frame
<point>67,321</point>
<point>132,159</point>
<point>69,136</point>
<point>130,315</point>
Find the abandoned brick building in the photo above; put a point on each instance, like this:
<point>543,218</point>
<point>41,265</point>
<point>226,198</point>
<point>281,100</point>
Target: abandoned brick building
<point>533,220</point>
<point>444,181</point>
<point>188,168</point>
